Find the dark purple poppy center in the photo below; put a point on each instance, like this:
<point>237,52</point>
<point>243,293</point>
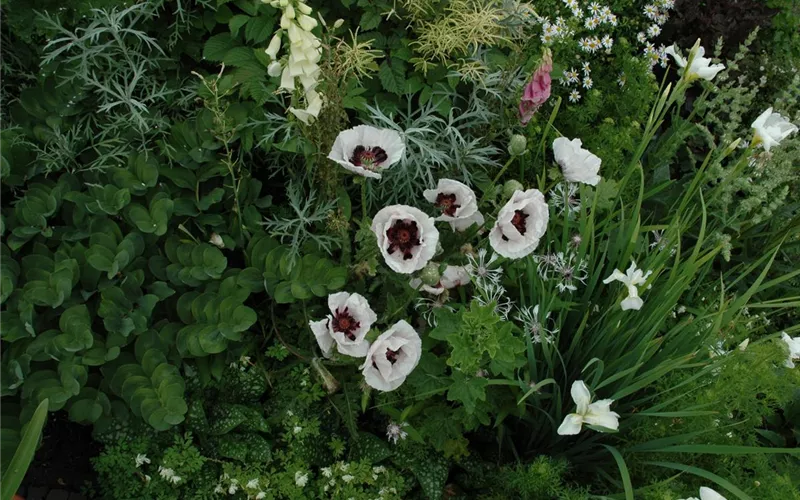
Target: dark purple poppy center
<point>518,221</point>
<point>344,322</point>
<point>447,202</point>
<point>392,355</point>
<point>403,236</point>
<point>368,157</point>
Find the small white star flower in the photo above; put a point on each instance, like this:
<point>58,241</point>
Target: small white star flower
<point>574,96</point>
<point>141,459</point>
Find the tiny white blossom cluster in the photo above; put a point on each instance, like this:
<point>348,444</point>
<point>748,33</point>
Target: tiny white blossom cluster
<point>168,475</point>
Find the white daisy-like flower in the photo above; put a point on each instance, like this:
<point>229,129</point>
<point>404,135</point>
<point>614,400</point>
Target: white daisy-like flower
<point>641,37</point>
<point>534,327</point>
<point>300,478</point>
<point>622,80</point>
<point>662,18</point>
<point>367,150</point>
<point>611,19</point>
<point>346,327</point>
<point>583,43</point>
<point>577,164</point>
<point>428,306</point>
<point>598,413</point>
<point>572,76</point>
<point>457,202</point>
<point>577,12</point>
<point>407,237</point>
<point>650,11</point>
<point>395,432</point>
<point>520,224</point>
<point>587,82</point>
<point>141,460</point>
<point>495,295</point>
<point>481,270</point>
<point>595,8</point>
<point>392,357</point>
<point>607,41</point>
<point>574,96</point>
<point>770,128</point>
<point>564,198</point>
<point>592,22</point>
<point>568,269</point>
<point>653,31</point>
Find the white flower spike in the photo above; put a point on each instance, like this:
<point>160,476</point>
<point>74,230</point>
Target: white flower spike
<point>520,224</point>
<point>794,349</point>
<point>699,66</point>
<point>598,413</point>
<point>392,357</point>
<point>346,327</point>
<point>407,237</point>
<point>771,128</point>
<point>367,150</point>
<point>631,279</point>
<point>577,164</point>
<point>458,204</point>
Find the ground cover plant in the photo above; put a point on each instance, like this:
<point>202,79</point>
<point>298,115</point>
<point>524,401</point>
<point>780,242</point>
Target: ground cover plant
<point>402,248</point>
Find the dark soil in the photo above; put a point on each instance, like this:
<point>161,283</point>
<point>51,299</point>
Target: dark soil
<point>63,462</point>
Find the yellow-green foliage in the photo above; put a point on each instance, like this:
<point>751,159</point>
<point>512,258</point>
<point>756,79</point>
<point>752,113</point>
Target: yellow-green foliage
<point>465,26</point>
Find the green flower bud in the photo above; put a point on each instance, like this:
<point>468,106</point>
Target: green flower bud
<point>510,187</point>
<point>430,274</point>
<point>517,145</point>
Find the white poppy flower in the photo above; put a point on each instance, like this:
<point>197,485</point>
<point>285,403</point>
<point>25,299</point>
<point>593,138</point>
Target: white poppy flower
<point>392,357</point>
<point>597,413</point>
<point>707,494</point>
<point>794,349</point>
<point>520,224</point>
<point>700,67</point>
<point>771,128</point>
<point>630,279</point>
<point>455,199</point>
<point>407,237</point>
<point>346,326</point>
<point>367,150</point>
<point>577,164</point>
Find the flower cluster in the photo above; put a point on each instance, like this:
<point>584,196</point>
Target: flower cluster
<point>303,57</point>
<point>389,359</point>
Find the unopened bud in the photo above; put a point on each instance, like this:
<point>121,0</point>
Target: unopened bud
<point>274,69</point>
<point>517,145</point>
<point>216,240</point>
<point>338,23</point>
<point>303,8</point>
<point>328,381</point>
<point>274,46</point>
<point>510,187</point>
<point>430,274</point>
